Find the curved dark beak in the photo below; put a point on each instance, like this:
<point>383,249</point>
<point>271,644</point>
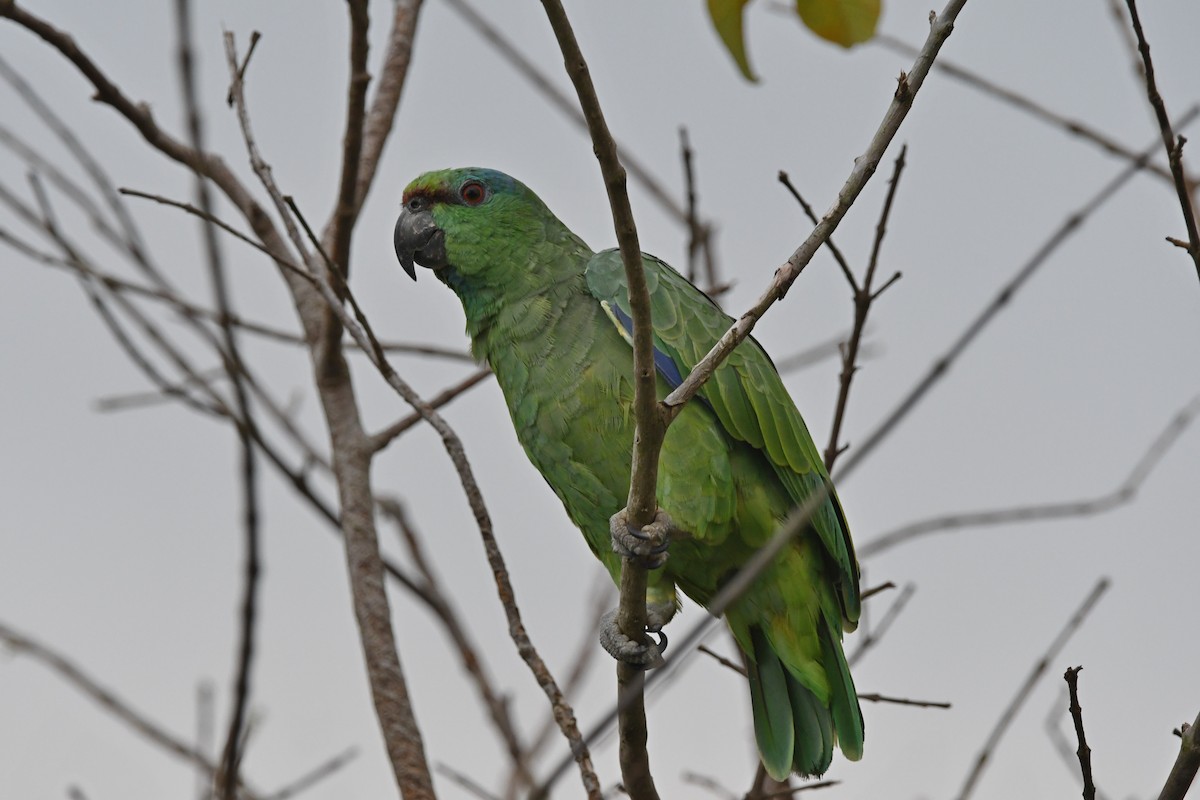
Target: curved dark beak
<point>419,239</point>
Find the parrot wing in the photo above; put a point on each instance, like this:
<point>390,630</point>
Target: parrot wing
<point>745,393</point>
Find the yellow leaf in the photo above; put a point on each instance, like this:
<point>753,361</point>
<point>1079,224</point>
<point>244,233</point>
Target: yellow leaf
<point>726,16</point>
<point>844,22</point>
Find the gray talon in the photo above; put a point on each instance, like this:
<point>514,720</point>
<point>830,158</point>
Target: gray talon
<point>639,655</point>
<point>648,545</point>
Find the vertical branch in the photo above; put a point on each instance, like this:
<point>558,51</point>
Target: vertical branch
<point>346,212</point>
<point>1071,676</point>
<point>863,298</point>
<point>1172,143</point>
<point>352,455</point>
<point>651,425</point>
<point>231,757</point>
<point>1023,693</point>
<point>381,115</point>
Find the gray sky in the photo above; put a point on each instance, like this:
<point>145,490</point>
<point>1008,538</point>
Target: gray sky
<point>121,544</point>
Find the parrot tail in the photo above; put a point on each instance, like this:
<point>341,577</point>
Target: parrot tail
<point>794,729</point>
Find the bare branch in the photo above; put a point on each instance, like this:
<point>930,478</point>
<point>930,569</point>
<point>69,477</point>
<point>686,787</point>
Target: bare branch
<point>1172,143</point>
<point>315,775</point>
<point>345,214</point>
<point>1123,494</point>
<point>863,298</point>
<point>109,701</point>
<point>651,426</point>
<point>381,115</point>
<point>352,458</point>
<point>385,437</point>
<point>360,330</point>
<point>560,101</point>
<point>231,357</point>
<point>872,697</point>
<point>1026,688</point>
<point>864,167</point>
<point>872,637</point>
<point>1183,771</point>
<point>1071,676</point>
<point>1022,103</point>
<point>497,709</point>
<point>469,784</point>
<point>807,208</point>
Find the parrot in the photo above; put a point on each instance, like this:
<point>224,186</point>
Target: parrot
<point>552,319</point>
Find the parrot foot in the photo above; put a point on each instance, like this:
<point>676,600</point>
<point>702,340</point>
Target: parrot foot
<point>639,655</point>
<point>648,545</point>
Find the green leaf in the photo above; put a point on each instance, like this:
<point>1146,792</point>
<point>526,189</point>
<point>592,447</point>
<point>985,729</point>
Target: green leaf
<point>844,22</point>
<point>726,16</point>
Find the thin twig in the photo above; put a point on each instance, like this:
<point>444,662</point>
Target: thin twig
<point>1026,688</point>
<point>1022,103</point>
<point>315,775</point>
<point>470,785</point>
<point>385,437</point>
<point>872,637</point>
<point>810,356</point>
<point>1071,676</point>
<point>872,697</point>
<point>389,689</point>
<point>560,101</point>
<point>232,757</point>
<point>833,249</point>
<point>699,232</point>
<point>206,727</point>
<point>709,783</point>
<point>1172,143</point>
<point>863,297</point>
<point>492,700</point>
<point>1058,709</point>
<point>1122,495</point>
<point>108,700</point>
<point>722,660</point>
<point>381,115</point>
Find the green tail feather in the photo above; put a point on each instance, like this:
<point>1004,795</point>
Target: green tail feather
<point>773,728</point>
<point>847,714</point>
<point>793,728</point>
<point>795,731</point>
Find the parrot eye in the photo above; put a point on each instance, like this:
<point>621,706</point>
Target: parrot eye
<point>473,193</point>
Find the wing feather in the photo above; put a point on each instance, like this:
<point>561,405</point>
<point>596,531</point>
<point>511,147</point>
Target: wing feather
<point>746,393</point>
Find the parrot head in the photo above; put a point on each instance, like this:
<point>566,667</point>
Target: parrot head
<point>466,221</point>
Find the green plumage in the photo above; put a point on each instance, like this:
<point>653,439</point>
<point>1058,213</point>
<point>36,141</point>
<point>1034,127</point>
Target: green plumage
<point>549,315</point>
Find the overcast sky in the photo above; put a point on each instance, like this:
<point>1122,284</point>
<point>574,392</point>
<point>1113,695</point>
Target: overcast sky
<point>121,544</point>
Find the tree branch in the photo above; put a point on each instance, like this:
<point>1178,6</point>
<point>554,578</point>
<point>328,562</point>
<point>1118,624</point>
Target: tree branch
<point>1121,495</point>
<point>863,297</point>
<point>651,426</point>
<point>1183,771</point>
<point>1071,676</point>
<point>1173,144</point>
<point>231,358</point>
<point>110,702</point>
<point>1026,688</point>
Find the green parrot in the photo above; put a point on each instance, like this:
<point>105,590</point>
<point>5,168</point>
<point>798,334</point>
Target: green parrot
<point>552,319</point>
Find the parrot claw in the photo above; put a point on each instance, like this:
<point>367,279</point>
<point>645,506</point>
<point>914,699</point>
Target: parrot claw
<point>648,545</point>
<point>640,655</point>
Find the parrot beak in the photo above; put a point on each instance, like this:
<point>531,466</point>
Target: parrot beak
<point>419,239</point>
